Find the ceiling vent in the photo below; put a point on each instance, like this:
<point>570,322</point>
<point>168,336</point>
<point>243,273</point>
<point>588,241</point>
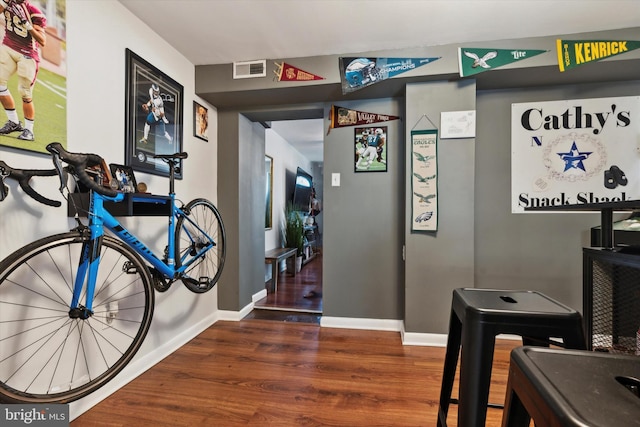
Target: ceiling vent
<point>250,69</point>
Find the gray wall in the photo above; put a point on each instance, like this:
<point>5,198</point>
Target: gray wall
<point>540,251</point>
<point>478,243</point>
<point>240,200</point>
<point>362,235</point>
<point>438,262</point>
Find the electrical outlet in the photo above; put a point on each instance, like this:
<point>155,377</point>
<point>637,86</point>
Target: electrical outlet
<point>335,180</point>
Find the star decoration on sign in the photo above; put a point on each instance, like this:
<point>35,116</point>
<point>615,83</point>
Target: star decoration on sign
<point>574,158</point>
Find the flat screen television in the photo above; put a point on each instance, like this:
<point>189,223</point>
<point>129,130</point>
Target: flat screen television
<point>302,190</point>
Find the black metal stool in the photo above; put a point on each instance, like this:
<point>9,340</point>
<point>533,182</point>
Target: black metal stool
<point>477,317</point>
<point>572,388</point>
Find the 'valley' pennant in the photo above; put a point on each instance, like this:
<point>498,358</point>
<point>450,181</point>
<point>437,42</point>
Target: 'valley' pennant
<point>289,73</point>
<point>341,117</point>
<point>357,73</point>
<point>473,60</point>
<point>573,53</point>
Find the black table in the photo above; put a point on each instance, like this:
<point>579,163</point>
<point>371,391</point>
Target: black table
<point>572,388</point>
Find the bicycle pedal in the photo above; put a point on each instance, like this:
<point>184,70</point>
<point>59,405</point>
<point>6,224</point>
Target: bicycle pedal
<point>129,268</point>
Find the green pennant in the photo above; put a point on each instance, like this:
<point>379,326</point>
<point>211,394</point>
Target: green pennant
<point>572,53</point>
<point>473,60</point>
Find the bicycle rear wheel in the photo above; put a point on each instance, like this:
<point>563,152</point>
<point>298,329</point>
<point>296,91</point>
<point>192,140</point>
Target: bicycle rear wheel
<point>45,355</point>
<point>201,226</point>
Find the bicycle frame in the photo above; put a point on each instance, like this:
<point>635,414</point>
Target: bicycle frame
<point>100,218</point>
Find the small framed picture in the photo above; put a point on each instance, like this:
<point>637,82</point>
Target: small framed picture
<point>371,149</point>
<point>125,178</point>
<point>200,121</point>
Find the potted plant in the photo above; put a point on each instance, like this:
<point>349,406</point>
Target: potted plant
<point>294,237</point>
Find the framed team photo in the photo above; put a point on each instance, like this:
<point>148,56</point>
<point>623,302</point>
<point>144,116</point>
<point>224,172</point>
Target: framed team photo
<point>153,117</point>
<point>124,177</point>
<point>371,149</point>
<point>200,121</point>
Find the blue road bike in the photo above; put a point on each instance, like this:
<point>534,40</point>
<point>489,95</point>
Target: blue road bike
<point>75,307</point>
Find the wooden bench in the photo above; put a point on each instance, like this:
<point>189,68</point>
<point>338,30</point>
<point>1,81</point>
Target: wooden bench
<point>273,257</point>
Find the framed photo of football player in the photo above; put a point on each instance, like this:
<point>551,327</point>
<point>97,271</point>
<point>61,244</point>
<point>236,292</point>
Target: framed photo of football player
<point>371,149</point>
<point>153,117</point>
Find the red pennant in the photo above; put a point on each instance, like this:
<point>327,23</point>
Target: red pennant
<point>289,73</point>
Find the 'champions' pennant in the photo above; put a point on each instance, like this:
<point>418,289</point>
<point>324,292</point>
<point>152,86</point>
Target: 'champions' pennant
<point>474,61</point>
<point>341,117</point>
<point>289,73</point>
<point>357,73</point>
<point>572,53</point>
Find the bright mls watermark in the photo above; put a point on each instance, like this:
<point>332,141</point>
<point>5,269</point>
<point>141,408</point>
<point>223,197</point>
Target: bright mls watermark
<point>52,415</point>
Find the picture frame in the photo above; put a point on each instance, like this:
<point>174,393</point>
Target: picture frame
<point>153,117</point>
<point>370,149</point>
<point>268,171</point>
<point>125,178</point>
<point>200,121</point>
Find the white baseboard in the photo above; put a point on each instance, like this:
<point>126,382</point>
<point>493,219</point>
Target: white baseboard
<point>234,316</point>
<point>258,296</point>
<point>421,339</point>
<point>360,323</point>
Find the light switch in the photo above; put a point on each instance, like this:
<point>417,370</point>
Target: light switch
<point>335,180</point>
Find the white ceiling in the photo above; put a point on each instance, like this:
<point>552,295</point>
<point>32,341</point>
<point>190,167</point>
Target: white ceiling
<point>305,135</point>
<point>226,31</point>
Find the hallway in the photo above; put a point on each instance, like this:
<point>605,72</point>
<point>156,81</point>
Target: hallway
<point>302,292</point>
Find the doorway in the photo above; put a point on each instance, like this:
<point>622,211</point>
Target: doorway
<point>294,144</point>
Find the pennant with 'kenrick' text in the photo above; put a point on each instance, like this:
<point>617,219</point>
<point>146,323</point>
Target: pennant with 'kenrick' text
<point>474,60</point>
<point>573,53</point>
<point>341,117</point>
<point>289,73</point>
<point>357,73</point>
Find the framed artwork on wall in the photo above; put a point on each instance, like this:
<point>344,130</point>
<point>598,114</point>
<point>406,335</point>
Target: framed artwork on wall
<point>268,213</point>
<point>153,117</point>
<point>371,149</point>
<point>200,121</point>
<point>44,118</point>
<point>124,177</point>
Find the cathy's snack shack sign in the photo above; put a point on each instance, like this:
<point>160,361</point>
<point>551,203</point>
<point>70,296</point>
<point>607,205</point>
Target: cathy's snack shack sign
<point>577,151</point>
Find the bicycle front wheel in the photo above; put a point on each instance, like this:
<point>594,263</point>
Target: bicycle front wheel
<point>46,356</point>
<point>200,228</point>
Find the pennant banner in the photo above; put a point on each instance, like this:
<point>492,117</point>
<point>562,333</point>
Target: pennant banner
<point>573,53</point>
<point>357,73</point>
<point>474,61</point>
<point>341,117</point>
<point>289,73</point>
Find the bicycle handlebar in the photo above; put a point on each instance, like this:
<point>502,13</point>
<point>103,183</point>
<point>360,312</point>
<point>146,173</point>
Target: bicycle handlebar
<point>23,176</point>
<point>79,161</point>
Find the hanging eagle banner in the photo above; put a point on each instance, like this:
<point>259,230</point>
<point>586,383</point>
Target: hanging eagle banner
<point>289,73</point>
<point>573,53</point>
<point>473,60</point>
<point>358,73</point>
<point>424,180</point>
<point>341,117</point>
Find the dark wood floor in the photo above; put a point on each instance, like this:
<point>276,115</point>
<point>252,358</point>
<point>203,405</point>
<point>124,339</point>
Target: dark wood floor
<point>271,373</point>
<point>302,292</point>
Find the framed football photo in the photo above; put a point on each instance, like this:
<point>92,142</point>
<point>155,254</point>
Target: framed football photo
<point>154,108</point>
<point>371,149</point>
